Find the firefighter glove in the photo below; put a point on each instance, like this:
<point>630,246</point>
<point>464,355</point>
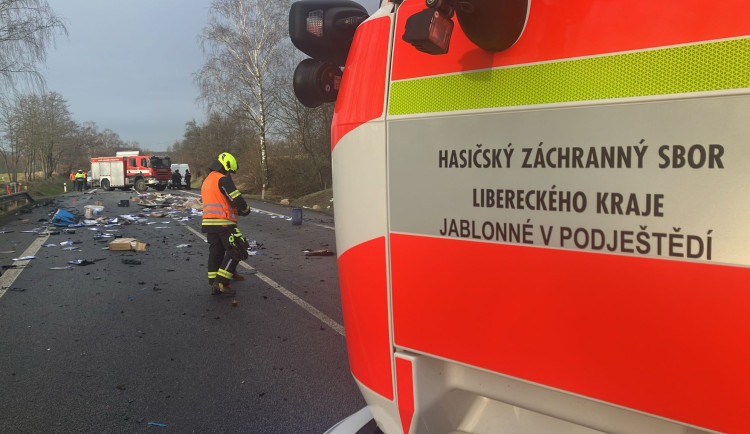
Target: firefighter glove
<point>238,246</point>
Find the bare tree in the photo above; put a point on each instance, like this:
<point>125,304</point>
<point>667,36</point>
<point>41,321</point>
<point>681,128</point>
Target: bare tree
<point>10,147</point>
<point>56,132</point>
<point>241,43</point>
<point>41,130</point>
<point>307,129</point>
<point>27,29</point>
<point>203,143</point>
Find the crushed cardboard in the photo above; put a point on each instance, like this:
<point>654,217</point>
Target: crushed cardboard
<point>127,244</point>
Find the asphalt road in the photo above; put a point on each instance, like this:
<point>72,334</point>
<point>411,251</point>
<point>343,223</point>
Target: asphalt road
<point>134,342</point>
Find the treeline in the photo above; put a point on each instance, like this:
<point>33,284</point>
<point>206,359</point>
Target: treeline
<point>40,138</point>
<point>298,155</point>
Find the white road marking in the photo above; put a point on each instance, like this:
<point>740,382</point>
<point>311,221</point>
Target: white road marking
<point>10,275</point>
<point>338,328</point>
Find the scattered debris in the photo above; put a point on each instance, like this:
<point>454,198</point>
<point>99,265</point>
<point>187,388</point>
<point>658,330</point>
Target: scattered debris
<point>318,253</point>
<point>64,217</point>
<point>157,424</point>
<point>14,266</point>
<point>24,258</point>
<point>83,262</point>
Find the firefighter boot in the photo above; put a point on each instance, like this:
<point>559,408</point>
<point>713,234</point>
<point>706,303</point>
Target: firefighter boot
<point>221,288</point>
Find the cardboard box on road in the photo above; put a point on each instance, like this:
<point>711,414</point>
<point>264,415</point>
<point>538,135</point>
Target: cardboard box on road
<point>127,244</point>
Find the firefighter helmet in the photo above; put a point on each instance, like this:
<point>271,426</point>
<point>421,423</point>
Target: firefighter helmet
<point>228,161</point>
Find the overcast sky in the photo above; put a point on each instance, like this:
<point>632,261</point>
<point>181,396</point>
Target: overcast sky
<point>128,65</point>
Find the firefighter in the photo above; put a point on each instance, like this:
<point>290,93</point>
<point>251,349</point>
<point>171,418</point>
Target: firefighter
<point>222,203</point>
<point>188,177</point>
<point>176,179</point>
<point>80,180</point>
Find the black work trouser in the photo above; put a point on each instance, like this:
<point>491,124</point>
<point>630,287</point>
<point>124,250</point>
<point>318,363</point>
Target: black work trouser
<point>220,265</point>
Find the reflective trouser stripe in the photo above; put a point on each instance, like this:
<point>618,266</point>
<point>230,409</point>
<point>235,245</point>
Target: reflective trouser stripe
<point>224,273</point>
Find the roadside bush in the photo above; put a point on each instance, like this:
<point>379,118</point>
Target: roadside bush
<point>294,176</point>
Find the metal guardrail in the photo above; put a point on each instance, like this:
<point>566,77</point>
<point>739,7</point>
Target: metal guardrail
<point>14,199</point>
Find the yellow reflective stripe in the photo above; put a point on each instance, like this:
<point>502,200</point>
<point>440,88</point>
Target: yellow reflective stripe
<point>212,275</point>
<point>234,194</point>
<point>224,273</point>
<point>700,67</point>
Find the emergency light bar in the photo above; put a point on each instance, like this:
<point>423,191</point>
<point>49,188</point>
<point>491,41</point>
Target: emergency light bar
<point>316,82</point>
<point>322,29</point>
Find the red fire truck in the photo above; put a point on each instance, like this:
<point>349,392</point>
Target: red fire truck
<point>555,236</point>
<point>130,169</point>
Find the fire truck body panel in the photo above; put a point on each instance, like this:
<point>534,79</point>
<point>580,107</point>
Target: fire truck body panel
<point>108,169</point>
<point>549,238</point>
<point>127,170</point>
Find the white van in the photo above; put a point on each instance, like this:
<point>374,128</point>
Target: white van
<point>183,168</point>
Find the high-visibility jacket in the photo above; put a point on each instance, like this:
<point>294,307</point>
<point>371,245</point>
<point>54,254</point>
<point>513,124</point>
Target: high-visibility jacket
<point>217,209</point>
<point>80,176</point>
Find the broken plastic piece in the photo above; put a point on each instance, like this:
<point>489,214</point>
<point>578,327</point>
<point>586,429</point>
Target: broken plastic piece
<point>318,253</point>
<point>24,258</point>
<point>81,262</point>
